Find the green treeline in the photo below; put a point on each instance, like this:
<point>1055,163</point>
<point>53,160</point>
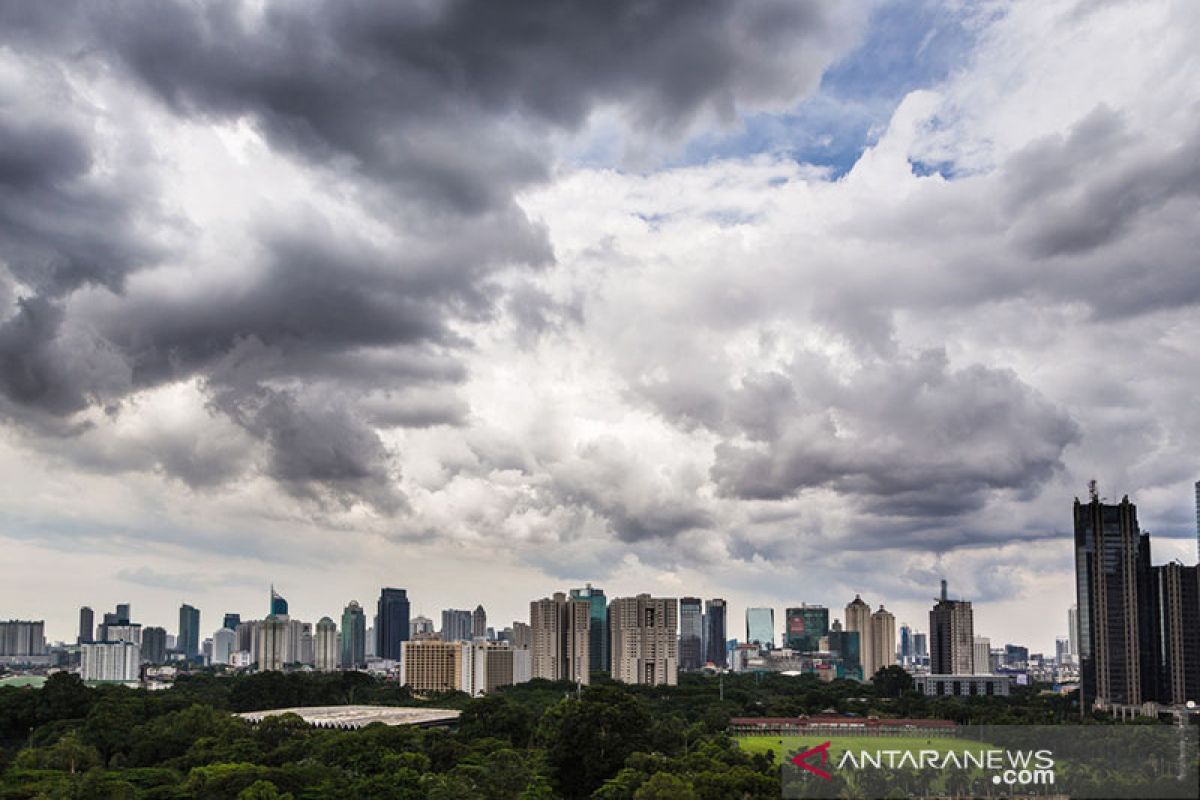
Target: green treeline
<point>536,740</point>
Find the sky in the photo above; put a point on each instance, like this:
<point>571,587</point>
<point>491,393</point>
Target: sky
<point>773,301</point>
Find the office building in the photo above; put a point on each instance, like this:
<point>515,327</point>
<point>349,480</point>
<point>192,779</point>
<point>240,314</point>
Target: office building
<point>479,623</point>
<point>22,640</point>
<point>951,637</point>
<point>598,636</point>
<point>858,619</point>
<point>273,643</point>
<point>456,625</point>
<point>110,661</point>
<point>189,631</point>
<point>1176,605</point>
<point>279,606</point>
<point>920,647</point>
<point>760,627</point>
<point>495,665</point>
<point>434,666</point>
<point>391,626</point>
<point>1062,651</point>
<point>962,685</point>
<point>223,645</point>
<point>714,611</point>
<point>1015,656</point>
<point>560,631</point>
<point>981,657</point>
<point>420,626</point>
<point>905,652</point>
<point>1073,630</point>
<point>87,626</point>
<point>231,621</point>
<point>154,645</point>
<point>883,642</point>
<point>326,656</point>
<point>1198,522</point>
<point>247,638</point>
<point>805,626</point>
<point>1114,597</point>
<point>691,633</point>
<point>643,633</point>
<point>354,637</point>
<point>522,638</point>
<point>848,647</point>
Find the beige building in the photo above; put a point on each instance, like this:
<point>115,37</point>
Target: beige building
<point>495,664</point>
<point>521,637</point>
<point>952,638</point>
<point>645,641</point>
<point>429,666</point>
<point>273,643</point>
<point>325,656</point>
<point>559,638</point>
<point>858,618</point>
<point>982,658</point>
<point>883,642</point>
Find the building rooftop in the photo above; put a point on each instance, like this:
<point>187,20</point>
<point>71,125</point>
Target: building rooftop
<point>360,716</point>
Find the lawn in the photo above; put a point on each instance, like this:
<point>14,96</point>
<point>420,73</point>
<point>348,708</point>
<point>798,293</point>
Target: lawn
<point>794,744</point>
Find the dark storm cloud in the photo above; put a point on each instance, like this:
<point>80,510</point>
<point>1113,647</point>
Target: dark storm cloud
<point>435,114</point>
<point>909,438</point>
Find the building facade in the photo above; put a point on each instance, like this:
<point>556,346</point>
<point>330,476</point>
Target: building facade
<point>760,626</point>
<point>87,626</point>
<point>1176,607</point>
<point>560,631</point>
<point>456,625</point>
<point>22,639</point>
<point>883,642</point>
<point>715,621</point>
<point>643,632</point>
<point>391,625</point>
<point>982,655</point>
<point>110,661</point>
<point>598,636</point>
<point>189,631</point>
<point>325,646</point>
<point>691,633</point>
<point>354,637</point>
<point>154,645</point>
<point>433,666</point>
<point>273,643</point>
<point>951,637</point>
<point>805,626</point>
<point>479,623</point>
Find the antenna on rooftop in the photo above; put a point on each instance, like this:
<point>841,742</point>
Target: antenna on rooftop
<point>1093,494</point>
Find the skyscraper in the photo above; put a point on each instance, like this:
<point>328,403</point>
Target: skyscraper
<point>354,637</point>
<point>1198,521</point>
<point>1113,589</point>
<point>858,618</point>
<point>905,651</point>
<point>110,661</point>
<point>883,642</point>
<point>805,626</point>
<point>279,606</point>
<point>392,627</point>
<point>189,631</point>
<point>154,645</point>
<point>691,633</point>
<point>1176,607</point>
<point>951,637</point>
<point>981,657</point>
<point>598,637</point>
<point>714,610</point>
<point>847,644</point>
<point>223,642</point>
<point>478,623</point>
<point>644,643</point>
<point>231,621</point>
<point>273,643</point>
<point>419,626</point>
<point>87,626</point>
<point>1073,630</point>
<point>560,638</point>
<point>760,627</point>
<point>325,657</point>
<point>920,646</point>
<point>456,625</point>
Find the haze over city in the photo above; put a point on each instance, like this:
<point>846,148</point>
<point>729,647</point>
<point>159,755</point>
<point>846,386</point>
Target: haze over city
<point>792,302</point>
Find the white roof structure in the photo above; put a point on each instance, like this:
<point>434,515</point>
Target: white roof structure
<point>360,716</point>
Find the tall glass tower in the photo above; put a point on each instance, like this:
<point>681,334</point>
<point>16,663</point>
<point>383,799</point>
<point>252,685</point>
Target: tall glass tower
<point>392,627</point>
<point>189,631</point>
<point>760,627</point>
<point>598,649</point>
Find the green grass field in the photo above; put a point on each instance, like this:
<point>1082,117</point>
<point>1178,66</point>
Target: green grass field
<point>793,744</point>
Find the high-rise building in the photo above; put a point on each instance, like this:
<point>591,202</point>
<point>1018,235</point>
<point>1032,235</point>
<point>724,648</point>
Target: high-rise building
<point>231,621</point>
<point>951,637</point>
<point>644,644</point>
<point>522,638</point>
<point>920,646</point>
<point>760,627</point>
<point>1176,606</point>
<point>325,657</point>
<point>1073,630</point>
<point>1113,588</point>
<point>598,637</point>
<point>433,666</point>
<point>1198,521</point>
<point>223,644</point>
<point>354,637</point>
<point>279,606</point>
<point>981,657</point>
<point>1062,652</point>
<point>714,610</point>
<point>883,642</point>
<point>495,665</point>
<point>131,632</point>
<point>22,638</point>
<point>273,643</point>
<point>154,645</point>
<point>123,616</point>
<point>456,625</point>
<point>189,631</point>
<point>479,623</point>
<point>847,645</point>
<point>806,625</point>
<point>110,661</point>
<point>391,629</point>
<point>87,626</point>
<point>560,638</point>
<point>691,633</point>
<point>905,652</point>
<point>420,626</point>
<point>247,638</point>
<point>858,618</point>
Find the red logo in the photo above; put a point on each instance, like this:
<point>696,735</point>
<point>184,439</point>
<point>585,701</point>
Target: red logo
<point>801,760</point>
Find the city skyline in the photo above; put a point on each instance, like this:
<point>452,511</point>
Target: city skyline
<point>788,302</point>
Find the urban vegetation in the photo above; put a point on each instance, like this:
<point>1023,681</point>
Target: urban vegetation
<point>535,740</point>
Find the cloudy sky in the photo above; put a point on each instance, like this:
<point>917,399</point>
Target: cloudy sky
<point>776,301</point>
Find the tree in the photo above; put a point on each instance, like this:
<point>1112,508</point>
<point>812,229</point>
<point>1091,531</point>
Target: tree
<point>263,790</point>
<point>892,681</point>
<point>665,786</point>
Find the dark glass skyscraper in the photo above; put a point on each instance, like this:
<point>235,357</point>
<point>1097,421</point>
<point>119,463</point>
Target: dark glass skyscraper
<point>691,633</point>
<point>1116,621</point>
<point>279,606</point>
<point>231,621</point>
<point>714,612</point>
<point>354,637</point>
<point>154,645</point>
<point>189,631</point>
<point>87,626</point>
<point>1176,609</point>
<point>598,649</point>
<point>391,626</point>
